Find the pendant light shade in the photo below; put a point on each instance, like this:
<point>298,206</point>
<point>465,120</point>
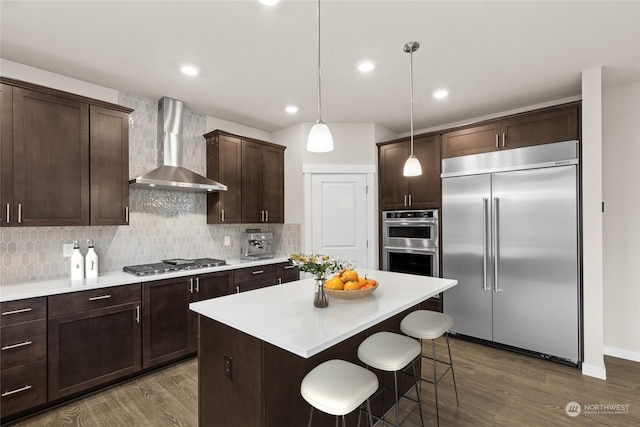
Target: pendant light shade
<point>412,165</point>
<point>319,139</point>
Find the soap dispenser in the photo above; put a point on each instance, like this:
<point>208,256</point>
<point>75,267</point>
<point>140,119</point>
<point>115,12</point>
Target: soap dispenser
<point>91,261</point>
<point>77,263</point>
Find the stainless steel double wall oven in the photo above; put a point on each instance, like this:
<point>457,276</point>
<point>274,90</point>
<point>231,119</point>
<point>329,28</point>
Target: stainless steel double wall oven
<point>410,242</point>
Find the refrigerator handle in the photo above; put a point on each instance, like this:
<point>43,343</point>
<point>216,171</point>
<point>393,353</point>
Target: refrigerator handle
<point>496,244</point>
<point>485,227</point>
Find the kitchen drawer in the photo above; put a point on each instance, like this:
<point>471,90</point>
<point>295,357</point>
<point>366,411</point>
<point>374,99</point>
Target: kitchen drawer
<point>255,277</point>
<point>287,272</point>
<point>77,302</point>
<point>23,387</point>
<point>23,343</point>
<point>23,310</point>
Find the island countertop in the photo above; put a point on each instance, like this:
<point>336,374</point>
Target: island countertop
<point>284,315</point>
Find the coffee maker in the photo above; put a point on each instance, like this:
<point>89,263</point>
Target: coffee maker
<point>257,244</point>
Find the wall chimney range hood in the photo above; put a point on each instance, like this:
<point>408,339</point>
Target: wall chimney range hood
<point>170,175</point>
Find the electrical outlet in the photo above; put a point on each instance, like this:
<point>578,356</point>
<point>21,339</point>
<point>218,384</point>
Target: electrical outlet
<point>227,240</point>
<point>228,367</point>
<point>67,249</point>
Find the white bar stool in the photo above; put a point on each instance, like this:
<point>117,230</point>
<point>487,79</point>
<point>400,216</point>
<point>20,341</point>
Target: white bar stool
<point>430,325</point>
<point>391,352</point>
<point>337,387</point>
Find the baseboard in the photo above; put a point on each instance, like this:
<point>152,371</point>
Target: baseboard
<point>594,371</point>
<point>621,353</point>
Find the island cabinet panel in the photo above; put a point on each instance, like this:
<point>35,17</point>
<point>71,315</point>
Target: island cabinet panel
<point>224,162</point>
<point>94,338</point>
<point>167,322</point>
<point>397,191</point>
<point>23,338</point>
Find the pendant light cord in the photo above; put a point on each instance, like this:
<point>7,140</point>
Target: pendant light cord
<point>319,72</point>
<point>411,92</point>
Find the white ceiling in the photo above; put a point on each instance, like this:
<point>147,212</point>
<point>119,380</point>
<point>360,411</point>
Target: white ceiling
<point>492,56</point>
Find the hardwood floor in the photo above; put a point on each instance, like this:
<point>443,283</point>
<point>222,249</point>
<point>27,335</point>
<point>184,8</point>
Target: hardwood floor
<point>496,388</point>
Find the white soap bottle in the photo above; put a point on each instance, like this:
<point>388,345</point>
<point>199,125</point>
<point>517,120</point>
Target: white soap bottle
<point>91,261</point>
<point>77,263</point>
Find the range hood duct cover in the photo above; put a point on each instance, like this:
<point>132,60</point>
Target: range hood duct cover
<point>170,175</point>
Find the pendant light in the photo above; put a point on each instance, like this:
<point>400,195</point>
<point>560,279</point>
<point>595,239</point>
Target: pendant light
<point>319,139</point>
<point>412,165</point>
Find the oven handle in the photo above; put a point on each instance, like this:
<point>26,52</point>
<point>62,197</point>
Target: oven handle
<point>406,250</point>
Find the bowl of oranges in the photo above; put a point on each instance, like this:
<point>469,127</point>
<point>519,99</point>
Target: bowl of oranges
<point>347,284</point>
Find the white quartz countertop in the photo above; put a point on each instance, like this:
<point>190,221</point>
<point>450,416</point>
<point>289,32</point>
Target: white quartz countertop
<point>60,286</point>
<point>284,315</point>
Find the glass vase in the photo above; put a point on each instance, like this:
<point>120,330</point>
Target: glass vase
<point>320,298</point>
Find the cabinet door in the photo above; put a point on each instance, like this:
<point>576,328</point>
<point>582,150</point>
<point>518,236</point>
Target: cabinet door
<point>273,184</point>
<point>479,139</point>
<point>224,165</point>
<point>252,207</point>
<point>51,160</point>
<point>210,286</point>
<point>167,322</point>
<point>540,128</point>
<point>90,348</point>
<point>393,190</point>
<point>109,168</point>
<point>6,154</point>
<point>425,189</point>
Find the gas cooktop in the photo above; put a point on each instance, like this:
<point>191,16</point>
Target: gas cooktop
<point>175,264</point>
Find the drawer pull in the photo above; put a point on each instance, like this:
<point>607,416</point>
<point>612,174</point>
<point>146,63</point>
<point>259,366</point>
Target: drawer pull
<point>257,272</point>
<point>20,344</point>
<point>18,390</point>
<point>100,297</point>
<point>22,310</point>
<point>289,267</point>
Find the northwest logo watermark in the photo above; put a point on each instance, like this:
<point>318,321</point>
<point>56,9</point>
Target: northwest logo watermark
<point>573,409</point>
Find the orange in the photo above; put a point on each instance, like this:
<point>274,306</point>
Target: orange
<point>334,283</point>
<point>362,280</point>
<point>351,286</point>
<point>371,282</point>
<point>349,275</point>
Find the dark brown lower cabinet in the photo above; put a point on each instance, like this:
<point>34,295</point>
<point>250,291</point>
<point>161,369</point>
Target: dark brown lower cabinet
<point>250,278</point>
<point>167,323</point>
<point>94,338</point>
<point>287,272</point>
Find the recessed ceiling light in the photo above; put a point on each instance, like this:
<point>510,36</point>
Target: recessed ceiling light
<point>189,70</point>
<point>440,93</point>
<point>291,109</point>
<point>366,66</point>
<point>269,2</point>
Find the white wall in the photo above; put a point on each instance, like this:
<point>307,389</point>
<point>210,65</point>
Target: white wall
<point>214,123</point>
<point>29,74</point>
<point>295,139</point>
<point>621,220</point>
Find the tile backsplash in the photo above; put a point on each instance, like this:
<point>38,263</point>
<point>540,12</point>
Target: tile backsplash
<point>162,224</point>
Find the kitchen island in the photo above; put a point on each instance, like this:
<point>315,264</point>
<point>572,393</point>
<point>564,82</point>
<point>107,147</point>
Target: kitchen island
<point>254,348</point>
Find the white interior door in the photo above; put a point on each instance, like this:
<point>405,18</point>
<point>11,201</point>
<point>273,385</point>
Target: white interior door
<point>340,216</point>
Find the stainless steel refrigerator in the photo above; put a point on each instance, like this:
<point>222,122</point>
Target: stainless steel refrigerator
<point>510,236</point>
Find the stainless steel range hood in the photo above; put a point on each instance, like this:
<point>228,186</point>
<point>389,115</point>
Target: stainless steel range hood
<point>170,175</point>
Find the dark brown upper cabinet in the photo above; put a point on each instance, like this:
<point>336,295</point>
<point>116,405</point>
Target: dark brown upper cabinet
<point>253,172</point>
<point>64,158</point>
<point>545,126</point>
<point>397,191</point>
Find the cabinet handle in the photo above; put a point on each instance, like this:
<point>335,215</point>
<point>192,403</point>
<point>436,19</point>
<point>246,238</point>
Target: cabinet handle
<point>18,390</point>
<point>191,285</point>
<point>100,297</point>
<point>410,200</point>
<point>20,344</point>
<point>197,285</point>
<point>8,212</point>
<point>137,314</point>
<point>266,215</point>
<point>222,215</point>
<point>405,200</point>
<point>504,139</point>
<point>126,214</point>
<point>19,213</point>
<point>279,280</point>
<point>497,141</point>
<point>21,310</point>
<point>289,267</point>
<point>237,289</point>
<point>257,272</point>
